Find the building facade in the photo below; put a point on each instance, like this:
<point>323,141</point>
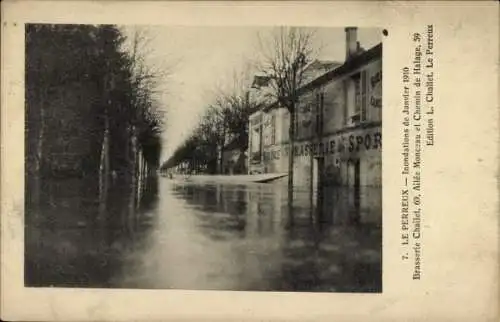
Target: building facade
<point>338,128</point>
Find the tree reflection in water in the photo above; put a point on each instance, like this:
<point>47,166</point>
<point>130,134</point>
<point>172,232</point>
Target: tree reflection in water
<point>209,236</point>
<point>71,239</point>
<point>241,237</point>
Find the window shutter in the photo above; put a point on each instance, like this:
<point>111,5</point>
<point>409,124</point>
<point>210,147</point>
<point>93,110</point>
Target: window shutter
<point>322,110</point>
<point>364,90</point>
<point>357,95</point>
<point>317,114</point>
<point>346,102</point>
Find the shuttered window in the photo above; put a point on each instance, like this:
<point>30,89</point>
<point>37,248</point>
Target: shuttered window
<point>364,96</point>
<point>320,100</point>
<point>322,110</point>
<point>316,113</point>
<point>357,94</point>
<point>346,101</point>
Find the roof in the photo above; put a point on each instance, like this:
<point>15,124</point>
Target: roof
<point>351,64</point>
<point>317,68</point>
<point>323,64</point>
<point>260,81</point>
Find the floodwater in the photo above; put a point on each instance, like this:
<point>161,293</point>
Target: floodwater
<point>209,236</point>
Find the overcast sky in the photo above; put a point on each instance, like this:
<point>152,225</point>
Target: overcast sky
<point>205,58</point>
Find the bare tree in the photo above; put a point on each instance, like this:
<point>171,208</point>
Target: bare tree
<point>232,107</point>
<point>286,52</point>
<point>225,119</point>
<point>146,79</point>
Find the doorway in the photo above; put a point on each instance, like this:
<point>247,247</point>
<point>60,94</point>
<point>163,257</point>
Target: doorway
<point>317,184</point>
<point>317,173</point>
<point>357,191</point>
<point>357,183</point>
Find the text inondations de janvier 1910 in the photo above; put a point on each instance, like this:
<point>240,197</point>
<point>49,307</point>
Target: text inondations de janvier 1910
<point>417,125</point>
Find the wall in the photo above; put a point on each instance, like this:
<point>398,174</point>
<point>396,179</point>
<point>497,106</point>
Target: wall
<point>339,98</point>
<point>338,150</point>
<point>254,160</point>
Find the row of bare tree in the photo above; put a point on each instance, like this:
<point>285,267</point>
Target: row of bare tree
<point>285,54</point>
<point>223,122</point>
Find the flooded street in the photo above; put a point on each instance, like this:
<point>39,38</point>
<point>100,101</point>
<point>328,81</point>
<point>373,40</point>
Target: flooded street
<point>210,236</point>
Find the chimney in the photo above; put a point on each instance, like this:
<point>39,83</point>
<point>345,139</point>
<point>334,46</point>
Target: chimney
<point>351,41</point>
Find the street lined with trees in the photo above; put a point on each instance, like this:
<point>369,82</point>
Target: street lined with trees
<point>98,214</point>
<point>284,56</point>
<point>90,111</point>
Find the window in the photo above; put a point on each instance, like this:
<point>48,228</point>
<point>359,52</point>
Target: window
<point>357,94</point>
<point>273,129</point>
<point>320,101</point>
<point>364,100</point>
<point>358,112</point>
<point>316,112</point>
<point>346,104</point>
<point>255,139</point>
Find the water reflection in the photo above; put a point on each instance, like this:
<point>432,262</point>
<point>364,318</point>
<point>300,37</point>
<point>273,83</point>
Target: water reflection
<point>72,239</point>
<point>206,236</point>
<point>240,237</point>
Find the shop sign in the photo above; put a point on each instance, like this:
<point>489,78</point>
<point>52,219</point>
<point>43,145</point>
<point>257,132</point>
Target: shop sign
<point>340,144</point>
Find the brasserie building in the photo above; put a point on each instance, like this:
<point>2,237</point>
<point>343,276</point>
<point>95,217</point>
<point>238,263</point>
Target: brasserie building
<point>338,128</point>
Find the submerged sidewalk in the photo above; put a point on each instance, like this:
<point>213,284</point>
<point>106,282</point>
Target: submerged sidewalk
<point>239,178</point>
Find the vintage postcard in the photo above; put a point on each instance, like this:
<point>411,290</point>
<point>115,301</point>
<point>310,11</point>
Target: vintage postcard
<point>308,161</point>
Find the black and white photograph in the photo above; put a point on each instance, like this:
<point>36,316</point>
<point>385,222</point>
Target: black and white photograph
<point>230,158</point>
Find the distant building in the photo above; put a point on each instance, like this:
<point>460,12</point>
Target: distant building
<point>234,160</point>
<point>338,128</point>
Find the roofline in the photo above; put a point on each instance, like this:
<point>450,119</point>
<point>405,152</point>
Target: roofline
<point>348,66</point>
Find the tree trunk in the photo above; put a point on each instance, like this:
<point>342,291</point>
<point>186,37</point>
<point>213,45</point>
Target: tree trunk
<point>133,168</point>
<point>222,151</point>
<point>291,134</point>
<point>140,176</point>
<point>143,177</point>
<point>104,167</point>
<point>39,144</point>
<point>36,172</point>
